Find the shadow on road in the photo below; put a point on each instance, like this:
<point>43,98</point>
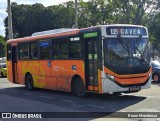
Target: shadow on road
<point>156,83</point>
<point>96,103</point>
<point>93,103</point>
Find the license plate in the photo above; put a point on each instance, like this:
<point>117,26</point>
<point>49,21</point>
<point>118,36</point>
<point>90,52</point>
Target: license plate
<point>134,88</point>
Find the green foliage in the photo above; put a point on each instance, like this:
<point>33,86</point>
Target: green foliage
<point>2,46</point>
<point>28,19</point>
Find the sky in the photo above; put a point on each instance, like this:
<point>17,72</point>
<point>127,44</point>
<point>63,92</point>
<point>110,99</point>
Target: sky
<point>3,6</point>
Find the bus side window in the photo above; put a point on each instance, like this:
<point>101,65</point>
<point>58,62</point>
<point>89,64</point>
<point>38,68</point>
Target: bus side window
<point>44,50</point>
<point>64,48</point>
<point>56,49</point>
<point>34,50</point>
<point>24,51</point>
<point>9,52</point>
<point>75,48</point>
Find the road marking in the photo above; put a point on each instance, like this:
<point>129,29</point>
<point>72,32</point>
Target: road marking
<point>45,97</point>
<point>96,106</point>
<point>13,90</point>
<point>28,94</point>
<point>69,101</point>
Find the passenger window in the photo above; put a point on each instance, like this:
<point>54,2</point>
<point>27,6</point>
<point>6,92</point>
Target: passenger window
<point>60,48</point>
<point>44,50</point>
<point>24,51</point>
<point>75,48</point>
<point>64,49</point>
<point>34,51</point>
<point>9,52</point>
<point>56,49</point>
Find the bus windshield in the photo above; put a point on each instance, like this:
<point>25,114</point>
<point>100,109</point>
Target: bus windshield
<point>126,52</point>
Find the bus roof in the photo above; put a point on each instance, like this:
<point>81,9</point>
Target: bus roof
<point>45,36</point>
<point>62,32</point>
<point>55,31</point>
<point>131,25</point>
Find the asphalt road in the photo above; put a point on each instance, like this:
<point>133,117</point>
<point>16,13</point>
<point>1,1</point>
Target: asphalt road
<point>15,98</point>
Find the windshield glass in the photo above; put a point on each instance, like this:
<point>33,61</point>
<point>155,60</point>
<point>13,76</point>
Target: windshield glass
<point>126,52</point>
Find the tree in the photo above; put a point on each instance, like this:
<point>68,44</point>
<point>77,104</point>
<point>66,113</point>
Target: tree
<point>152,20</point>
<point>95,12</point>
<point>28,19</point>
<point>2,46</point>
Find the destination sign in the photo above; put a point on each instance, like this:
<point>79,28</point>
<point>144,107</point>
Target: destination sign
<point>126,31</point>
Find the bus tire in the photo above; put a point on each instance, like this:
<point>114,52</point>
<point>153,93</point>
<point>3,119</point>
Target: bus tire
<point>79,88</point>
<point>29,82</point>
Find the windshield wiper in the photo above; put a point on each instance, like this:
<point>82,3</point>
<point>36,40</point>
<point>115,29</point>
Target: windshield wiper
<point>124,45</point>
<point>142,54</point>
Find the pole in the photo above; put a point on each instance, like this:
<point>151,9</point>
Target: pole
<point>76,14</point>
<point>10,30</point>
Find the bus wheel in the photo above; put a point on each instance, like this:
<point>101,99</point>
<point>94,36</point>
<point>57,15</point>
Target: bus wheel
<point>79,88</point>
<point>29,82</point>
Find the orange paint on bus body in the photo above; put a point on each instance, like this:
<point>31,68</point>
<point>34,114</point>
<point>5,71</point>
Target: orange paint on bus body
<point>57,75</point>
<point>129,79</point>
<point>9,71</point>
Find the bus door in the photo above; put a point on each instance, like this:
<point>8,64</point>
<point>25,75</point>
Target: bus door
<point>91,63</point>
<point>45,65</point>
<point>14,62</point>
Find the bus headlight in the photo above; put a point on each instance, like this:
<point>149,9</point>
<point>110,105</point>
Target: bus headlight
<point>110,77</point>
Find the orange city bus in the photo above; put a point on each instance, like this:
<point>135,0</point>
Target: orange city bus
<point>102,59</point>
